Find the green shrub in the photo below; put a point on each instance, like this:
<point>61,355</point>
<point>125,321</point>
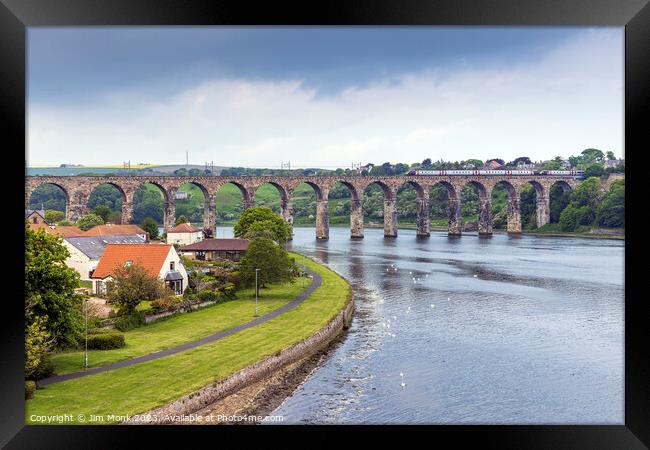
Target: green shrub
<point>208,295</point>
<point>45,369</point>
<point>105,340</point>
<point>30,387</point>
<point>167,303</point>
<point>130,321</point>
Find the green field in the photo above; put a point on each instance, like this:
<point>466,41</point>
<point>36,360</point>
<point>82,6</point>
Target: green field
<point>139,388</point>
<point>177,330</point>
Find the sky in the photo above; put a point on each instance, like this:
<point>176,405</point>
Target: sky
<point>321,96</point>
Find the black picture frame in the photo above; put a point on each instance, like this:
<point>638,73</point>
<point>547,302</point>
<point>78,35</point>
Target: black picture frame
<point>634,15</point>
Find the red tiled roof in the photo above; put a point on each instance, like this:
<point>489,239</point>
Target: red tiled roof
<point>114,230</point>
<point>65,231</point>
<point>151,256</point>
<point>229,245</point>
<point>183,228</point>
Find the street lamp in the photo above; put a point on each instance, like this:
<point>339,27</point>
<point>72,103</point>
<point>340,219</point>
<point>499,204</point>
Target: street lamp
<point>86,312</point>
<point>256,292</point>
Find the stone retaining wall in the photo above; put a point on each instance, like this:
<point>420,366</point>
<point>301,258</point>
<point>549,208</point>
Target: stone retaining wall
<point>250,374</point>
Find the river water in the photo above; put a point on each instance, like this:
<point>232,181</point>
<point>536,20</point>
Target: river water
<point>500,330</point>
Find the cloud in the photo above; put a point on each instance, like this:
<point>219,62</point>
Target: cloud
<point>569,99</point>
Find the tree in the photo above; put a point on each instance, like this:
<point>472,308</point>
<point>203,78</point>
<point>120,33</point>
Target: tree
<point>593,155</point>
<point>47,196</point>
<point>49,288</point>
<point>103,211</point>
<point>610,155</point>
<point>181,219</point>
<point>148,202</point>
<point>272,260</point>
<point>271,221</point>
<point>582,205</point>
<point>54,216</point>
<point>132,284</point>
<point>594,170</point>
<point>115,217</point>
<point>611,212</point>
<point>426,164</point>
<point>150,226</point>
<point>106,195</point>
<point>38,343</point>
<point>182,172</point>
<point>88,221</point>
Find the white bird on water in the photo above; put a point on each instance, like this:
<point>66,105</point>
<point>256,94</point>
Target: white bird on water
<point>402,376</point>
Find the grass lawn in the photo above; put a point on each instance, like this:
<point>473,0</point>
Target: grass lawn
<point>139,388</point>
<point>86,284</point>
<point>166,333</point>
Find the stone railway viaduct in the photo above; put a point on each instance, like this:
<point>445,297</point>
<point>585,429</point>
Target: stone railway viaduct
<point>77,190</point>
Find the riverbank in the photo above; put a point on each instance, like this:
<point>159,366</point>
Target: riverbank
<point>252,404</point>
<point>220,367</point>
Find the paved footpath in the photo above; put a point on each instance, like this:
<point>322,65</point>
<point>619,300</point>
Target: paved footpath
<point>316,281</point>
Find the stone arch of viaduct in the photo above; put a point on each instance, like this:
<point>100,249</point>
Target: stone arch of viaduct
<point>77,190</point>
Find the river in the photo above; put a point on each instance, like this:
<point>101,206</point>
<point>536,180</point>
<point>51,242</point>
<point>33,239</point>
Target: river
<point>500,330</point>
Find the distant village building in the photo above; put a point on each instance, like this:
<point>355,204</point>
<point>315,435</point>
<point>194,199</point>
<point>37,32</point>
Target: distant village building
<point>59,230</point>
<point>366,168</point>
<point>184,234</point>
<point>524,166</point>
<point>216,249</point>
<point>614,162</point>
<point>160,260</point>
<point>34,216</point>
<point>181,195</point>
<point>492,165</point>
<point>86,251</point>
<point>116,230</point>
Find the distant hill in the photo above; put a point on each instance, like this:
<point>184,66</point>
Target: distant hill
<point>162,169</point>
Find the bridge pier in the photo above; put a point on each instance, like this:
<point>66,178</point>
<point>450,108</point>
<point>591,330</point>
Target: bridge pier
<point>485,216</point>
<point>543,209</point>
<point>390,213</point>
<point>454,216</point>
<point>322,218</point>
<point>77,205</point>
<point>169,216</point>
<point>127,212</point>
<point>210,214</point>
<point>356,218</point>
<point>514,214</point>
<point>423,228</point>
<point>286,205</point>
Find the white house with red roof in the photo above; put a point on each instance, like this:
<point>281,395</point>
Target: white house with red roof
<point>184,234</point>
<point>160,260</point>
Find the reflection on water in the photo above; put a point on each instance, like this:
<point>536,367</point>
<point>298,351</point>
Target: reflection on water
<point>501,330</point>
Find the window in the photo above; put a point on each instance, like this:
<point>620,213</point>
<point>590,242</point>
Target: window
<point>34,219</point>
<point>171,265</point>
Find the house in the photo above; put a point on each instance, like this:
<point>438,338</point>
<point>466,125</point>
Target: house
<point>86,251</point>
<point>492,164</point>
<point>215,249</point>
<point>35,216</point>
<point>116,230</point>
<point>59,230</point>
<point>184,234</point>
<point>367,168</point>
<point>160,260</point>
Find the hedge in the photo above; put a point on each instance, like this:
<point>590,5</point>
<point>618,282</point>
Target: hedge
<point>106,340</point>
